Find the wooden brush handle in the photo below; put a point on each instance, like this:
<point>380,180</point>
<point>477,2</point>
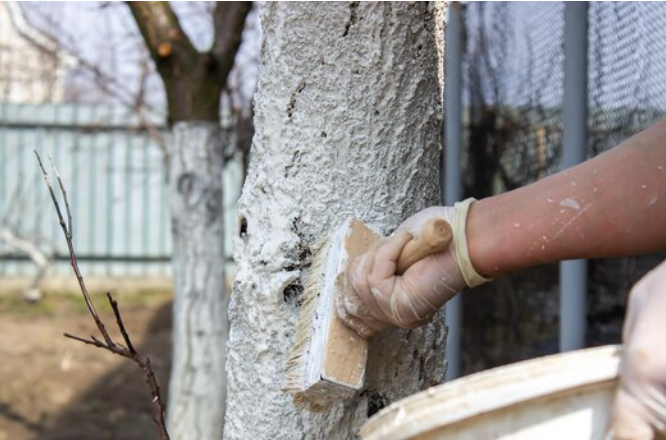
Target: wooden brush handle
<point>435,237</point>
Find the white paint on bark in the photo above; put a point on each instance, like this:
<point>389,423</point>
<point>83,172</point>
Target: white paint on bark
<point>348,120</point>
<point>197,388</point>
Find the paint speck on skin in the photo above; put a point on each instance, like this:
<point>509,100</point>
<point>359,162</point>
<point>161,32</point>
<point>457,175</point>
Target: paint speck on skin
<point>660,168</point>
<point>570,203</point>
<point>595,190</point>
<point>653,201</point>
<point>517,225</point>
<point>543,247</point>
<point>573,183</point>
<point>643,186</point>
<point>571,221</point>
<point>549,200</point>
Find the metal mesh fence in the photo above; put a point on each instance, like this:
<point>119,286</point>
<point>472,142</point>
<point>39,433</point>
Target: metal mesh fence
<point>513,92</point>
<point>627,93</point>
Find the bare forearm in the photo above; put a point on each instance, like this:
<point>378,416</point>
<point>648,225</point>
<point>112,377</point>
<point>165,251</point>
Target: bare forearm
<point>614,204</point>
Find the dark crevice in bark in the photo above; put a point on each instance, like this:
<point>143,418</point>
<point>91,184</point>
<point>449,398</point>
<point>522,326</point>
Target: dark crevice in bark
<point>300,255</point>
<point>242,228</point>
<point>292,102</point>
<point>213,205</point>
<point>376,402</point>
<point>185,184</point>
<point>295,159</point>
<point>292,293</point>
<point>353,17</point>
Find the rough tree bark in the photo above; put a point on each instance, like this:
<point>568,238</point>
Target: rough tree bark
<point>348,119</point>
<point>193,83</point>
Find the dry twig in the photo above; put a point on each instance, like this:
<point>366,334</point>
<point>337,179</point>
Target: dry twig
<point>127,351</point>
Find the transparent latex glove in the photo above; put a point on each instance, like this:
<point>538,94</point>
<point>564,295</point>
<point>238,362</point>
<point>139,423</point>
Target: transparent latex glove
<point>639,410</point>
<point>376,298</point>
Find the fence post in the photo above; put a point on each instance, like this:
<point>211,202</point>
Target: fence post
<point>573,274</point>
<point>451,178</point>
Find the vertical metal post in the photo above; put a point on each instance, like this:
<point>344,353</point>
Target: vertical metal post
<point>93,211</point>
<point>4,171</point>
<point>573,274</point>
<point>451,177</point>
<point>109,170</point>
<point>146,204</point>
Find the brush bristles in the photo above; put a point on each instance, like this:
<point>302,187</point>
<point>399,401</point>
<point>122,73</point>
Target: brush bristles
<point>296,363</point>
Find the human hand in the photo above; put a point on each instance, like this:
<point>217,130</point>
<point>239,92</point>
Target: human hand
<point>376,297</point>
<point>639,410</point>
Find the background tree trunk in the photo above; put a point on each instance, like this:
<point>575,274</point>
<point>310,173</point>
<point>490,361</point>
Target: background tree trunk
<point>196,390</point>
<point>348,120</point>
<point>193,82</point>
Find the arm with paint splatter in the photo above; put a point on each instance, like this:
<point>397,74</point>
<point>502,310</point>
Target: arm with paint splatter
<point>612,205</point>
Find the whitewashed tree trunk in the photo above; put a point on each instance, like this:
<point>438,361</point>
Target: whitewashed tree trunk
<point>197,388</point>
<point>348,119</point>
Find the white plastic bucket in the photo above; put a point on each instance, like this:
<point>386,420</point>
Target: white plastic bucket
<point>564,396</point>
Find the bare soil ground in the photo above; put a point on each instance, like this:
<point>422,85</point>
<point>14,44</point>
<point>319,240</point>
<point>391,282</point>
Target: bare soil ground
<point>53,388</point>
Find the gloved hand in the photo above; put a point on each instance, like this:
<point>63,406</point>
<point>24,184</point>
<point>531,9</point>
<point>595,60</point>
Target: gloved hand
<point>375,297</point>
<point>639,411</point>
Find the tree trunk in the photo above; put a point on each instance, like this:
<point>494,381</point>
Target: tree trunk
<point>197,389</point>
<point>348,120</point>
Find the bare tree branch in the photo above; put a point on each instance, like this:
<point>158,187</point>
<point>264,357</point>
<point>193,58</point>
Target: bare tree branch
<point>229,21</point>
<point>67,229</point>
<point>108,83</point>
<point>168,44</point>
<point>67,42</point>
<point>128,352</point>
<point>121,325</point>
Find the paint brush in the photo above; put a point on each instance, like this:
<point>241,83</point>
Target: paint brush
<point>328,360</point>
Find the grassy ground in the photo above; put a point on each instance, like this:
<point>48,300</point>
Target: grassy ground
<point>54,388</point>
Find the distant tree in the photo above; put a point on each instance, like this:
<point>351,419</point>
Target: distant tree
<point>193,83</point>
